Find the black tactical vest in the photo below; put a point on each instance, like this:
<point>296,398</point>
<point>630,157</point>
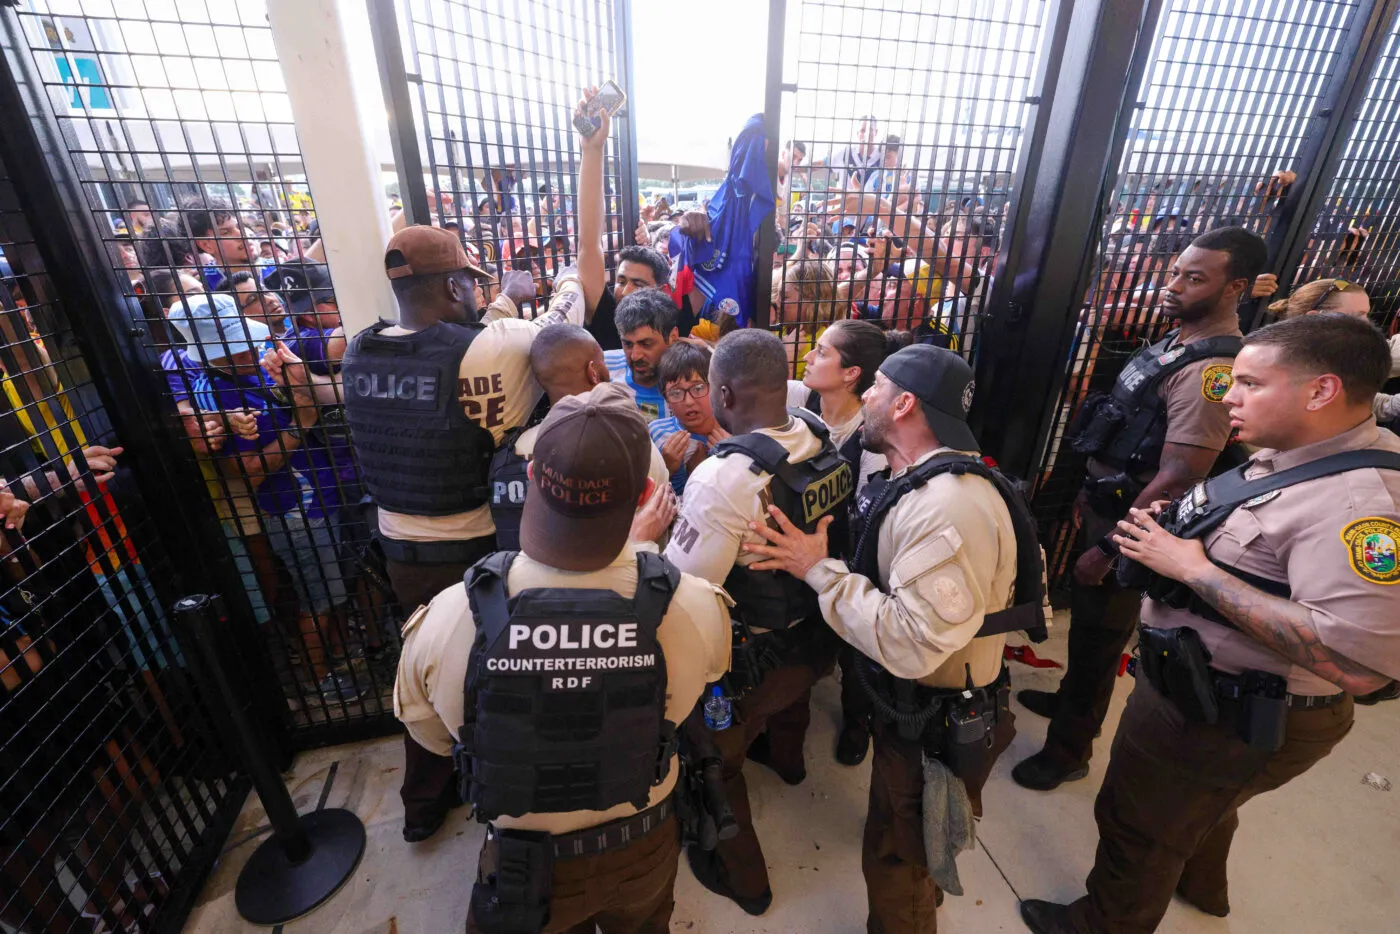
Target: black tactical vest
<point>508,485</point>
<point>1127,428</point>
<point>419,453</point>
<point>805,492</point>
<point>1203,508</point>
<point>879,497</point>
<point>565,694</point>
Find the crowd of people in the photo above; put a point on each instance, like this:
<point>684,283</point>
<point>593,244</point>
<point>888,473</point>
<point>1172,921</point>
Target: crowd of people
<point>639,529</point>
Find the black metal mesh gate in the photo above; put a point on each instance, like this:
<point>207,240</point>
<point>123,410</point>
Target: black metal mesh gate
<point>180,134</point>
<point>1226,120</point>
<point>115,791</point>
<point>917,110</point>
<point>496,88</point>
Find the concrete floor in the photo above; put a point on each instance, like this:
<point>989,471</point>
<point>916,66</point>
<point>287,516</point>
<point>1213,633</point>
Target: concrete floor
<point>1316,857</point>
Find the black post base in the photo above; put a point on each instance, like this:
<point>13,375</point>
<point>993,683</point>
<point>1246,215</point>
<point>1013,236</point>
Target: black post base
<point>273,890</point>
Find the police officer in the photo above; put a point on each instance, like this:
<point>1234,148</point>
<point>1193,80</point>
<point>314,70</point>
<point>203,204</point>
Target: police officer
<point>565,360</point>
<point>1159,430</point>
<point>561,672</point>
<point>946,563</point>
<point>782,648</point>
<point>1273,605</point>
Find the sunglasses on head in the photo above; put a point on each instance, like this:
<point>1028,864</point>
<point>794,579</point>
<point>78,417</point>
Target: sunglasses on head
<point>1337,285</point>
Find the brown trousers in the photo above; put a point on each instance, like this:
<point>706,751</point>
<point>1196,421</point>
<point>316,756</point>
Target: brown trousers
<point>428,779</point>
<point>1169,807</point>
<point>901,895</point>
<point>781,706</point>
<point>625,891</point>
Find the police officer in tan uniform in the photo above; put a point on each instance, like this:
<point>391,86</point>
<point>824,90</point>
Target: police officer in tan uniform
<point>1156,433</point>
<point>565,360</point>
<point>782,647</point>
<point>1275,603</point>
<point>927,601</point>
<point>564,731</point>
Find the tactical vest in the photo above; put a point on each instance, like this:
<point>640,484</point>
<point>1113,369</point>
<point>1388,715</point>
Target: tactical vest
<point>1204,507</point>
<point>1026,612</point>
<point>508,486</point>
<point>1127,428</point>
<point>805,492</point>
<point>419,453</point>
<point>565,695</point>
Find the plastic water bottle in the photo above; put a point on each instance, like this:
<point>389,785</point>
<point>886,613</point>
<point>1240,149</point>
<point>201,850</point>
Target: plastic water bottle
<point>718,713</point>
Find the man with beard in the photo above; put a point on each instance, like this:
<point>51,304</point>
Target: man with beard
<point>1158,432</point>
<point>646,322</point>
<point>938,559</point>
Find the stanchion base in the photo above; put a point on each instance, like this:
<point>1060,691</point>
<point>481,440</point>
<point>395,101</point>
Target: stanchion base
<point>273,890</point>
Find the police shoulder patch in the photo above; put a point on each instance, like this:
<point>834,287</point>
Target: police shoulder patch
<point>1371,549</point>
<point>1216,380</point>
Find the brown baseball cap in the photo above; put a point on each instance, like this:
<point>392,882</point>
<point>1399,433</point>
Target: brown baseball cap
<point>590,467</point>
<point>421,250</point>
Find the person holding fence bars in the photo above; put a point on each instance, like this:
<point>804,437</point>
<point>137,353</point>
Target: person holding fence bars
<point>1159,430</point>
<point>1270,601</point>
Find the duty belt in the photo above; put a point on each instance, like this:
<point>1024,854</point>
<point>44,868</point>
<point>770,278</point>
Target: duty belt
<point>1230,688</point>
<point>466,551</point>
<point>613,835</point>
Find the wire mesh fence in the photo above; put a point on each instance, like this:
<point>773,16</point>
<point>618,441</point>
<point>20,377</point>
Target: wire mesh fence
<point>115,789</point>
<point>497,86</point>
<point>902,143</point>
<point>1355,237</point>
<point>1214,141</point>
<point>180,132</point>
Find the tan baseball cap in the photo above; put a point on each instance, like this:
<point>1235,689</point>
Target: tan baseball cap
<point>590,466</point>
<point>421,250</point>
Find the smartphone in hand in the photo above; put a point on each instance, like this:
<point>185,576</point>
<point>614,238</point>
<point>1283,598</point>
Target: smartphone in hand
<point>610,97</point>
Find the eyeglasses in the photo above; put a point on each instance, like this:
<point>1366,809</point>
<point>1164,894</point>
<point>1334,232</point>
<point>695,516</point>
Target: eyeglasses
<point>1337,285</point>
<point>698,391</point>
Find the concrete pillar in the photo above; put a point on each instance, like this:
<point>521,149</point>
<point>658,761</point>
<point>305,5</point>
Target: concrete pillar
<point>333,86</point>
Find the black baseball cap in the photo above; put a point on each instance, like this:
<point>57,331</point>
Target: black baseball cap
<point>590,466</point>
<point>302,285</point>
<point>942,381</point>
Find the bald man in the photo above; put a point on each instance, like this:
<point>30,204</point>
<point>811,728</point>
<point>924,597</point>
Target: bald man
<point>565,360</point>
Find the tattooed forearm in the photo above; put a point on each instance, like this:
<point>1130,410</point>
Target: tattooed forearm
<point>1283,626</point>
<point>565,307</point>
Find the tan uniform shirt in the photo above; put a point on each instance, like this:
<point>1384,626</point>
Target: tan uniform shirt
<point>870,462</point>
<point>694,637</point>
<point>947,556</point>
<point>721,498</point>
<point>1334,541</point>
<point>499,392</point>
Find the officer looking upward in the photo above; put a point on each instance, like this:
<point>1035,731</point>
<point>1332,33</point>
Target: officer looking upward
<point>566,361</point>
<point>611,646</point>
<point>782,648</point>
<point>1156,433</point>
<point>1271,601</point>
<point>946,563</point>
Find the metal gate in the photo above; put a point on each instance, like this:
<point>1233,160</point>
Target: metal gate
<point>483,92</point>
<point>173,123</point>
<point>929,109</point>
<point>1231,125</point>
<point>116,790</point>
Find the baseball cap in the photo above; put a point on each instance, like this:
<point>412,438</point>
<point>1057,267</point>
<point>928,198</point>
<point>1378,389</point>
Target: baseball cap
<point>422,250</point>
<point>302,285</point>
<point>590,466</point>
<point>214,328</point>
<point>942,381</point>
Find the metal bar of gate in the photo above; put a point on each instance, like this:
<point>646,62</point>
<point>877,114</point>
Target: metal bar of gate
<point>388,50</point>
<point>772,114</point>
<point>627,132</point>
